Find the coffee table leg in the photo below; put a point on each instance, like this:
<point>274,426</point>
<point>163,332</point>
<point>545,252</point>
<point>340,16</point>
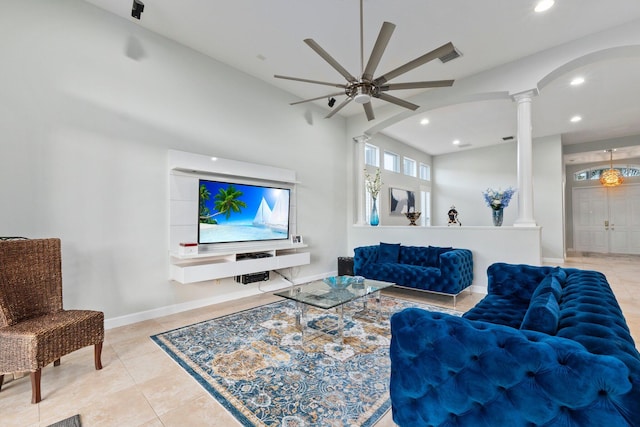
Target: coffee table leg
<point>378,308</point>
<point>300,315</point>
<point>341,324</point>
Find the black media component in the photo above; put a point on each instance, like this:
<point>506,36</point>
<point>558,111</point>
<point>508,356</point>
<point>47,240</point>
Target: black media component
<point>345,266</point>
<point>245,279</point>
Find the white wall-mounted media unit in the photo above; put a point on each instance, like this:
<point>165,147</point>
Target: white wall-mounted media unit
<point>216,261</point>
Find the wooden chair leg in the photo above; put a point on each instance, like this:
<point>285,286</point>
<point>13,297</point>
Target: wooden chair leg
<point>97,355</point>
<point>35,386</point>
<point>1,379</point>
<point>56,362</point>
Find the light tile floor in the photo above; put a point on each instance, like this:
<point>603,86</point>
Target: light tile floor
<point>141,386</point>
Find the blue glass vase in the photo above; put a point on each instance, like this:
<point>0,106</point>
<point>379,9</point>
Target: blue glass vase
<point>497,216</point>
<point>374,219</point>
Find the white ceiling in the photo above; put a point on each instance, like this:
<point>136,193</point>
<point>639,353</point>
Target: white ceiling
<point>263,38</point>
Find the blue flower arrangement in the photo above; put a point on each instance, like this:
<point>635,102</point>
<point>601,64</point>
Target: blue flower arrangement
<point>498,199</point>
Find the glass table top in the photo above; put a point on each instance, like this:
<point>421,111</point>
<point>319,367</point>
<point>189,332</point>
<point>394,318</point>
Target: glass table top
<point>322,295</point>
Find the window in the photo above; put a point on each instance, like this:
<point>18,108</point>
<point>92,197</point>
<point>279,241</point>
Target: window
<point>594,173</point>
<point>425,172</point>
<point>391,162</point>
<point>371,155</point>
<point>409,167</point>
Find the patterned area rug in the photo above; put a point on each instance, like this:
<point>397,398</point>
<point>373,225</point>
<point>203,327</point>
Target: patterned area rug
<point>259,367</point>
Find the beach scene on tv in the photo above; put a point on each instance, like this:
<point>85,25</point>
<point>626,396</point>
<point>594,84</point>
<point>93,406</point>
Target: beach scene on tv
<point>231,212</point>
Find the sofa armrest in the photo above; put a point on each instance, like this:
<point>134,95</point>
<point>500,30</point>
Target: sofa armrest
<point>456,269</point>
<point>362,256</point>
<point>447,370</point>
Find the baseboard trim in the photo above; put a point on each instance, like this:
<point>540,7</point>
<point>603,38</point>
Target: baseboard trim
<point>141,316</point>
<point>553,261</point>
<point>478,289</point>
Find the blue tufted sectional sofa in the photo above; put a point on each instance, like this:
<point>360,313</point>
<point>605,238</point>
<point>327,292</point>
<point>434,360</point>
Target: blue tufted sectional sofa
<point>546,347</point>
<point>427,268</point>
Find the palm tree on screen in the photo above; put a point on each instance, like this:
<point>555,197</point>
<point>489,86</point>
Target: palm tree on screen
<point>227,201</point>
<point>205,213</point>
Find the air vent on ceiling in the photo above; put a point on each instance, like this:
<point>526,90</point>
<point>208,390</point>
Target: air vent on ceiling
<point>507,138</point>
<point>455,53</point>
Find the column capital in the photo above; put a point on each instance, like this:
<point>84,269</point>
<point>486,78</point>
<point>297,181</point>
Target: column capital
<point>361,138</point>
<point>527,94</point>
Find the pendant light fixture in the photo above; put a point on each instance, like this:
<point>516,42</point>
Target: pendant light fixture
<point>611,177</point>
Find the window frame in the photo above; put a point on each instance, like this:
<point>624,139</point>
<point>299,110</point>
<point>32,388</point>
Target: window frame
<point>426,167</point>
<point>413,173</point>
<point>396,163</point>
<point>375,148</point>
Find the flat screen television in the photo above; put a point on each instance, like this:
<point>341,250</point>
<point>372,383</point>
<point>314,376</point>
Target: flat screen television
<point>231,212</point>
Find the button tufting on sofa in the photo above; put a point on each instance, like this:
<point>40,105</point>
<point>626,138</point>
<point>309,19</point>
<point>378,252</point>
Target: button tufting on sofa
<point>492,373</point>
<point>427,268</point>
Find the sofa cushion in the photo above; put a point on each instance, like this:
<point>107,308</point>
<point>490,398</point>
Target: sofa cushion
<point>499,310</point>
<point>542,315</point>
<point>550,284</point>
<point>414,255</point>
<point>388,252</point>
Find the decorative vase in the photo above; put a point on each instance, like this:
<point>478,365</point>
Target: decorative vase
<point>413,217</point>
<point>373,218</point>
<point>497,216</point>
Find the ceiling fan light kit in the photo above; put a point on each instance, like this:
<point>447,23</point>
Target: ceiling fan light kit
<point>363,89</point>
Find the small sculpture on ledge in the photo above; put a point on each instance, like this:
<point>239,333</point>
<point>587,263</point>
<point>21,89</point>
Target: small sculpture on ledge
<point>412,217</point>
<point>453,217</point>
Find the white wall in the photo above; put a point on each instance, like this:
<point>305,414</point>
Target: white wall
<point>85,131</point>
<point>460,178</point>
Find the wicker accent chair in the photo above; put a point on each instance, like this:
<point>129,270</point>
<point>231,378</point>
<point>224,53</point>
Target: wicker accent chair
<point>34,328</point>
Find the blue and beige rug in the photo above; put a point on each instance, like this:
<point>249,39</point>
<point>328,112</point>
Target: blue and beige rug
<point>256,364</point>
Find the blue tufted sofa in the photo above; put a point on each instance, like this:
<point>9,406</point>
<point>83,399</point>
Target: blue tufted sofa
<point>428,268</point>
<point>546,347</point>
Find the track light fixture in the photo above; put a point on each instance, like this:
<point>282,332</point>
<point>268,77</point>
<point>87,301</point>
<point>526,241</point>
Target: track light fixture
<point>137,9</point>
<point>332,101</point>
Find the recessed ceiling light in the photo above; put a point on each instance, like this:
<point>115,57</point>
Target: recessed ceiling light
<point>214,159</point>
<point>544,5</point>
<point>456,142</point>
<point>577,81</point>
<point>575,119</point>
<point>424,122</point>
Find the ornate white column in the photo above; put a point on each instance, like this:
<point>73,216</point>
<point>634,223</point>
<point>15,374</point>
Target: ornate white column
<point>525,160</point>
<point>358,179</point>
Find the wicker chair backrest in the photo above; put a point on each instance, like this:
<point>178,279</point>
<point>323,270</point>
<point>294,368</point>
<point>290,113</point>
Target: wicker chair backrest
<point>30,279</point>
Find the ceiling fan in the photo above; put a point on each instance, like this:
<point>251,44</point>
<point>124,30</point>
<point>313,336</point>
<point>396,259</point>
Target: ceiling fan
<point>362,89</point>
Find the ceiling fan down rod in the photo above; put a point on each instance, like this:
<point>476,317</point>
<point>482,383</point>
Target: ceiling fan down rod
<point>361,39</point>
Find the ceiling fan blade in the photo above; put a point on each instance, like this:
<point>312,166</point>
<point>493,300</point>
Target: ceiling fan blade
<point>397,101</point>
<point>323,53</point>
<point>368,110</point>
<point>436,53</point>
<point>417,85</point>
<point>320,97</point>
<point>338,108</point>
<point>277,76</point>
<point>378,49</point>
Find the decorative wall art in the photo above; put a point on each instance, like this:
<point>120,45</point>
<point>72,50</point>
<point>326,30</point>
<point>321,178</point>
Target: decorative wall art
<point>401,201</point>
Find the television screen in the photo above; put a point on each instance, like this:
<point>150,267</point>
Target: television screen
<point>231,212</point>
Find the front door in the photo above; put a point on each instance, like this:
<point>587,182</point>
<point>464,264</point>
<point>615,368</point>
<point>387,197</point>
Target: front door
<point>607,220</point>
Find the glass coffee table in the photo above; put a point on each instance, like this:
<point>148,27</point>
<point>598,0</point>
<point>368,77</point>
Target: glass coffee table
<point>326,295</point>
